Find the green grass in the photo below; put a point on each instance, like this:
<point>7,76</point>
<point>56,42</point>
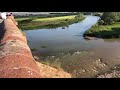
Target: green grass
<point>104,31</point>
<point>53,22</point>
<point>20,19</point>
<point>55,18</point>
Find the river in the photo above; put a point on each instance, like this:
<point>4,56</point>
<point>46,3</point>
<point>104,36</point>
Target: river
<point>81,57</point>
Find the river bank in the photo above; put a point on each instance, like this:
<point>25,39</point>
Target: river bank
<point>54,22</point>
<point>104,31</point>
<point>114,73</point>
<point>84,65</point>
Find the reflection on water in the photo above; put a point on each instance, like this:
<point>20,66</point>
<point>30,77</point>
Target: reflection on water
<point>68,43</point>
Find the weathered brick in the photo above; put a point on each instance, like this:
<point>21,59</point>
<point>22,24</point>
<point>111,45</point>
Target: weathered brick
<point>16,60</point>
<point>19,73</point>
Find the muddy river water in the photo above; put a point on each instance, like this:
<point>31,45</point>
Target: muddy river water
<point>76,55</point>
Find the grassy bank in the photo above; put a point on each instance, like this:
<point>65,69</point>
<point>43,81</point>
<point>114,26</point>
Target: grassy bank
<point>104,31</point>
<point>54,22</point>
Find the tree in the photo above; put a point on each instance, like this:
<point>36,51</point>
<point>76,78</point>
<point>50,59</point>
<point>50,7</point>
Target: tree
<point>110,17</point>
<point>79,15</point>
<point>108,21</point>
<point>100,22</point>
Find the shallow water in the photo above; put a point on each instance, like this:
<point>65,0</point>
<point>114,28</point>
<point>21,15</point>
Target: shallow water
<point>61,42</point>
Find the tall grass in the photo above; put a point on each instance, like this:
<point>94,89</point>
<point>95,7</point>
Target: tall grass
<point>54,64</point>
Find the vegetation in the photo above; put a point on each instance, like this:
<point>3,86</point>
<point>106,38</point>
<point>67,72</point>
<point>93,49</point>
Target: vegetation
<point>107,27</point>
<point>54,64</point>
<point>117,67</point>
<point>51,14</point>
<point>108,18</point>
<point>104,31</point>
<point>54,22</point>
<point>97,14</point>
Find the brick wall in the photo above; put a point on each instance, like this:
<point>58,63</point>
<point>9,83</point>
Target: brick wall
<point>16,60</point>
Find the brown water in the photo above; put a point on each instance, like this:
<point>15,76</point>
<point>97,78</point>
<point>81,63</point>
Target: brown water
<point>80,57</point>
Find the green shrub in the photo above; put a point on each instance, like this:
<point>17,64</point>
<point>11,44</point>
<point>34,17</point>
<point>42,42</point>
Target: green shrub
<point>108,21</point>
<point>101,22</point>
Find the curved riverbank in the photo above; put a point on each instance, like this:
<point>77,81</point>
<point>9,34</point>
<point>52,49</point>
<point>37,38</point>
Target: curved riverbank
<point>53,41</point>
<point>104,31</point>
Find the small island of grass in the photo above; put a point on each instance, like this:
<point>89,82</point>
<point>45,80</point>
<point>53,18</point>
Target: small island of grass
<point>31,23</point>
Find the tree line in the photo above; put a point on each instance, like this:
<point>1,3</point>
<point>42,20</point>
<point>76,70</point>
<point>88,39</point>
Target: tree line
<point>109,18</point>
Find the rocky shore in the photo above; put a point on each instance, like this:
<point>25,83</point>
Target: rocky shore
<point>112,74</point>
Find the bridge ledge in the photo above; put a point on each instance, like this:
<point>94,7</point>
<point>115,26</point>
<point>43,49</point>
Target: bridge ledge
<point>16,60</point>
<point>23,56</point>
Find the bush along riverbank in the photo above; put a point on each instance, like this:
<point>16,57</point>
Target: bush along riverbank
<point>54,22</point>
<point>107,27</point>
<point>104,31</point>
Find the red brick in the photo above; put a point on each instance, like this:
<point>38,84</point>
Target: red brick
<point>16,59</point>
<point>5,39</point>
<point>19,73</point>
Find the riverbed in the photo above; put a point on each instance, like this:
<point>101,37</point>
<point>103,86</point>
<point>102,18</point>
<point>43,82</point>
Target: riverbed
<point>78,56</point>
